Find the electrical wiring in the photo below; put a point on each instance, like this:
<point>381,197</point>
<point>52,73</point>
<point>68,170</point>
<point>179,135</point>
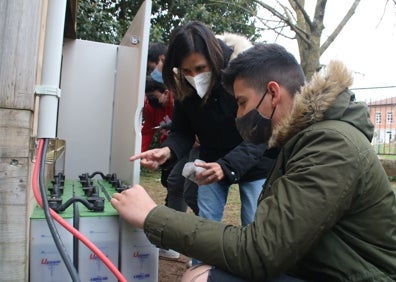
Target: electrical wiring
<point>66,225</point>
<point>50,222</point>
<point>76,225</point>
<point>91,206</point>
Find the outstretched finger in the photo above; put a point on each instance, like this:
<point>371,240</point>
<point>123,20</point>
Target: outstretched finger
<point>136,157</point>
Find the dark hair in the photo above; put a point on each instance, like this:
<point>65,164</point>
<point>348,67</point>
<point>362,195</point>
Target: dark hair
<point>263,63</point>
<point>153,85</point>
<point>185,40</point>
<point>155,50</point>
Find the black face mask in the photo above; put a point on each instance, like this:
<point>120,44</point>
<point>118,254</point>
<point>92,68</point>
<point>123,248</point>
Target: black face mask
<point>154,102</point>
<point>253,127</point>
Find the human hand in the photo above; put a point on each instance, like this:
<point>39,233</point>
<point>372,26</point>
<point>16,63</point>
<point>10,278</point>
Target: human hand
<point>133,205</point>
<point>213,173</point>
<point>152,159</point>
<point>196,143</point>
<point>166,123</point>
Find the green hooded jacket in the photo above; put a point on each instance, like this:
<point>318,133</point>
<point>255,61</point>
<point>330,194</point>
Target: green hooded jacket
<point>327,211</point>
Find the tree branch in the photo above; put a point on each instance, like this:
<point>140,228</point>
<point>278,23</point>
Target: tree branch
<point>319,13</point>
<point>340,26</point>
<point>299,32</point>
<point>249,11</point>
<point>298,7</point>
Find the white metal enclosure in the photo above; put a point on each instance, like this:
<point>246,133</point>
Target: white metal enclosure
<point>102,97</point>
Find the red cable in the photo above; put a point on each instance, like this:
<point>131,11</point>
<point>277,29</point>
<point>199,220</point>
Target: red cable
<point>66,225</point>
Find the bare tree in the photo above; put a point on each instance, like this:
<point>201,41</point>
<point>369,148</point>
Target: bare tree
<point>306,30</point>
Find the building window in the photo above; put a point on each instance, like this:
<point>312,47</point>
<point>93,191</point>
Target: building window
<point>389,117</point>
<point>378,118</point>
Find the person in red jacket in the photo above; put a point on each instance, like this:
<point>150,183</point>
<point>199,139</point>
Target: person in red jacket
<point>157,112</point>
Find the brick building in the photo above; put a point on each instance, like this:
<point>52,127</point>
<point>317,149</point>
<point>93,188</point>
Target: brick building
<point>382,115</point>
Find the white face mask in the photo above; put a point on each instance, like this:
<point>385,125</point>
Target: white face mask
<point>200,82</point>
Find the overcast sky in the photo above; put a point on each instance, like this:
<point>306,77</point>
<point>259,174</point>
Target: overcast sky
<point>367,45</point>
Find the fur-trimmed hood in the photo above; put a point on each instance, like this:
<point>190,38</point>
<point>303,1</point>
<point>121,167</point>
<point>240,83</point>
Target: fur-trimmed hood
<point>325,97</point>
<point>236,42</point>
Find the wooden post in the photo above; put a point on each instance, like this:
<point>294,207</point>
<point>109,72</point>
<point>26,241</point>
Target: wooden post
<point>19,52</point>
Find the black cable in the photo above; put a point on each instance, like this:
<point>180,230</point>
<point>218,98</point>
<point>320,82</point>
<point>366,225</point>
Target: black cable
<point>54,232</point>
<point>96,205</point>
<point>76,224</point>
<point>96,173</point>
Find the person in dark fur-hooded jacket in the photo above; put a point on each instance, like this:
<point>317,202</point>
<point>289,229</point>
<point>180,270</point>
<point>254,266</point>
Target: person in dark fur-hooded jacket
<point>327,211</point>
<point>192,71</point>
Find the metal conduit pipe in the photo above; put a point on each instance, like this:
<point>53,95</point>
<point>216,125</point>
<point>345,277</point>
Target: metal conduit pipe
<point>49,89</point>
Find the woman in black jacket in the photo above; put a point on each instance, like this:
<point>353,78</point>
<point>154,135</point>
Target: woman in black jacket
<point>192,70</point>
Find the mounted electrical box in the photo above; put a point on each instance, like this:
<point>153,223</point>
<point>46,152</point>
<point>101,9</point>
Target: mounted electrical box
<point>102,97</point>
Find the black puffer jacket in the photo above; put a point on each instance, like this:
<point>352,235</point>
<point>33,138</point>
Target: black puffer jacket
<point>213,121</point>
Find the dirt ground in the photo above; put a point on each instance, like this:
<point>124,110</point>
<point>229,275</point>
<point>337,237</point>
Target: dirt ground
<point>172,270</point>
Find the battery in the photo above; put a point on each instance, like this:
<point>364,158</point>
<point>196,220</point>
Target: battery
<point>46,263</point>
<point>126,246</point>
<point>102,229</point>
<point>139,258</point>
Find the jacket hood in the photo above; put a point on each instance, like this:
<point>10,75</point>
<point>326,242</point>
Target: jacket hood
<point>236,42</point>
<point>325,97</point>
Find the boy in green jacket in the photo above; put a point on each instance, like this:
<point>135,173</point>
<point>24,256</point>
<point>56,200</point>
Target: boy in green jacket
<point>327,211</point>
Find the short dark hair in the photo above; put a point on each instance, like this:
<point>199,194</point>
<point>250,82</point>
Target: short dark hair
<point>192,37</point>
<point>155,50</point>
<point>153,85</point>
<point>263,63</point>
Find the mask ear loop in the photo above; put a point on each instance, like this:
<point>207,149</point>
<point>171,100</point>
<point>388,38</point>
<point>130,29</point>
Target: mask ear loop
<point>272,113</point>
<point>261,100</point>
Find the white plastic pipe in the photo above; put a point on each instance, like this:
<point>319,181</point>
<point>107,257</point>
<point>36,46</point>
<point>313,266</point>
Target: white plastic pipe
<point>48,103</point>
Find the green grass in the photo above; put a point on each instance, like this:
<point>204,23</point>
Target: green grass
<point>387,157</point>
<point>151,181</point>
<point>386,149</point>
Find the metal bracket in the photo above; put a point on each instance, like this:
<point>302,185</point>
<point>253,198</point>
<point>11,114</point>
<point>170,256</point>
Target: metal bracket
<point>56,149</point>
<point>135,40</point>
<point>47,90</point>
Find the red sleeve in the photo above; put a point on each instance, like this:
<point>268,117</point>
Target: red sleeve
<point>152,118</point>
<point>148,124</point>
